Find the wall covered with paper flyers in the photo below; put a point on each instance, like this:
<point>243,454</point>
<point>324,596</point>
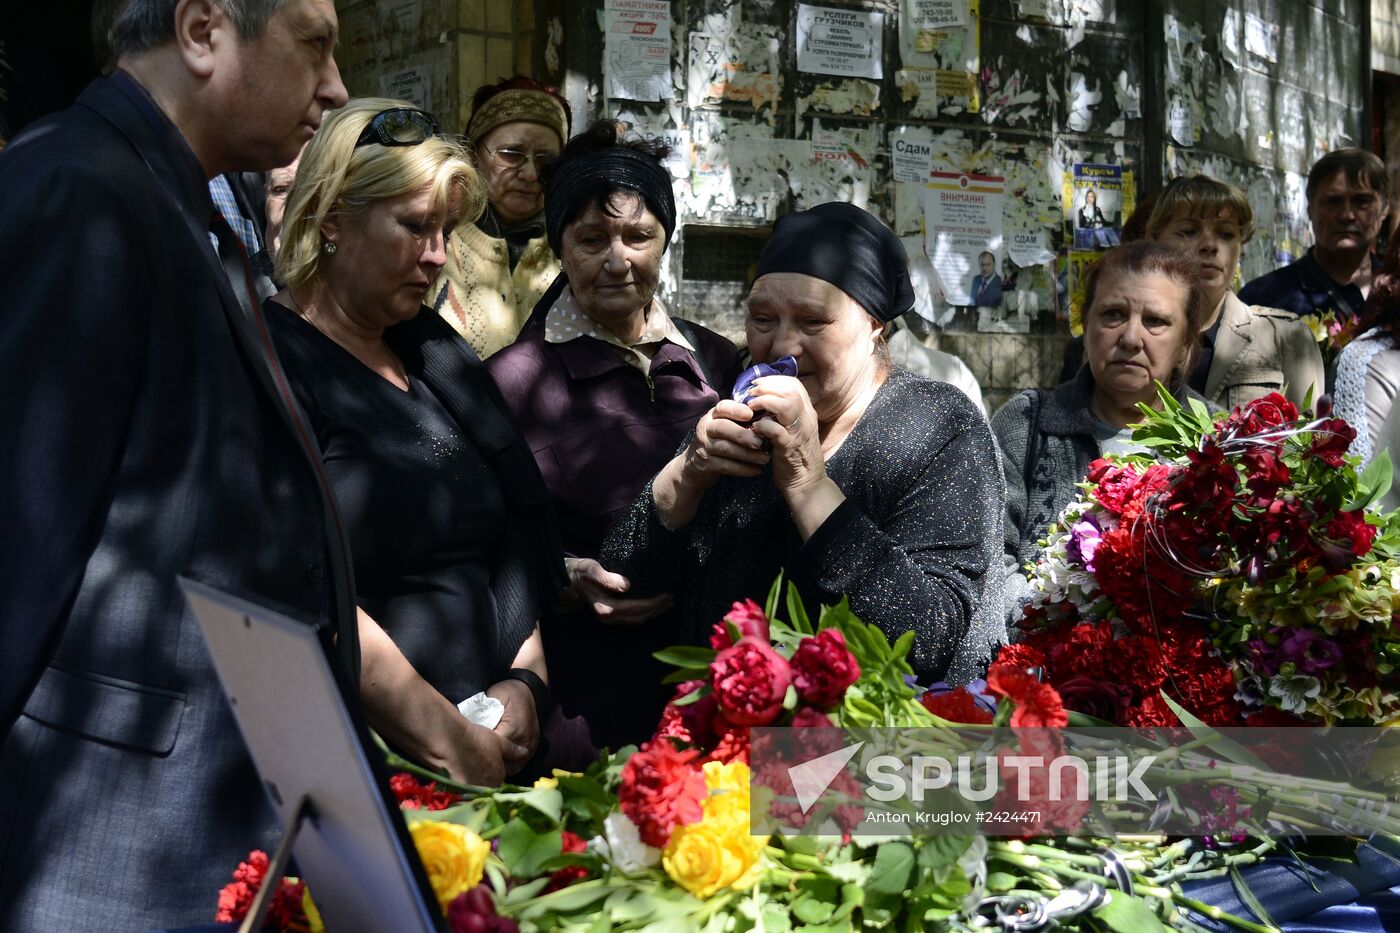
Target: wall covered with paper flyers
<point>1007,141</point>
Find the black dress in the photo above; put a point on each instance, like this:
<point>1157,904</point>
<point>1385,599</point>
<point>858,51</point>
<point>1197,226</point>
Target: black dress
<point>435,525</point>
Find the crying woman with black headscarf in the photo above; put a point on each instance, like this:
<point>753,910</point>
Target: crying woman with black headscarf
<point>853,477</point>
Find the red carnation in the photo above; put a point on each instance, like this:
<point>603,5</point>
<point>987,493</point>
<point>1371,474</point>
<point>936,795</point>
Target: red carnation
<point>413,794</point>
<point>750,680</point>
<point>823,667</point>
<point>1021,655</point>
<point>1331,440</point>
<point>1152,712</point>
<point>731,741</point>
<point>956,706</point>
<point>1261,414</point>
<point>748,618</point>
<point>563,877</point>
<point>1265,471</point>
<point>237,896</point>
<point>662,787</point>
<point>1037,704</point>
<point>691,723</point>
<point>1113,484</point>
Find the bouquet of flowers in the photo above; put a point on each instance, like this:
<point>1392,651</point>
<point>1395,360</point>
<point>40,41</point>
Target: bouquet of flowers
<point>1332,332</point>
<point>664,837</point>
<point>1236,574</point>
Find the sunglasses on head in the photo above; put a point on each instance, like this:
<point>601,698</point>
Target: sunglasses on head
<point>399,126</point>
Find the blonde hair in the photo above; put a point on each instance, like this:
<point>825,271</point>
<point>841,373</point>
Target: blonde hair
<point>1200,196</point>
<point>337,178</point>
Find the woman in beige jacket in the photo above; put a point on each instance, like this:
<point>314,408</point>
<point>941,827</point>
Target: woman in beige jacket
<point>1246,351</point>
<point>500,266</point>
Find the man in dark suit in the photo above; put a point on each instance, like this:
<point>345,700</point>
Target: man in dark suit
<point>146,432</point>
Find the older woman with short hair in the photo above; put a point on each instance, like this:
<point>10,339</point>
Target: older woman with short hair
<point>854,477</point>
<point>604,384</point>
<point>1142,321</point>
<point>454,544</point>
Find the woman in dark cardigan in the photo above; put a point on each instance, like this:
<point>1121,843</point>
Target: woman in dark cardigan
<point>1142,325</point>
<point>855,478</point>
<point>456,552</point>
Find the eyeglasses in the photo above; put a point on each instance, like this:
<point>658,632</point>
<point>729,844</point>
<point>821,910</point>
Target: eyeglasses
<point>399,126</point>
<point>515,159</point>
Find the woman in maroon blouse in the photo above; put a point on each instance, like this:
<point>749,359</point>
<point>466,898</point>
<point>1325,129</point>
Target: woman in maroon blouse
<point>605,384</point>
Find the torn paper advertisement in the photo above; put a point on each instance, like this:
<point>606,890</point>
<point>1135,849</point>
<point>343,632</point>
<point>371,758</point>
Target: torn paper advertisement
<point>414,85</point>
<point>637,56</point>
<point>846,43</point>
<point>1097,199</point>
<point>949,48</point>
<point>934,14</point>
<point>962,227</point>
<point>911,150</point>
<point>739,172</point>
<point>841,169</point>
<point>734,62</point>
<point>1261,37</point>
<point>930,303</point>
<point>1029,248</point>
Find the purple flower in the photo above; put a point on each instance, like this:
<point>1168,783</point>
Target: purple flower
<point>1084,538</point>
<point>1311,652</point>
<point>1261,657</point>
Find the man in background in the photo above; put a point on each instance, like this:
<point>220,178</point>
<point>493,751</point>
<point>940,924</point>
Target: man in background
<point>1348,200</point>
<point>144,436</point>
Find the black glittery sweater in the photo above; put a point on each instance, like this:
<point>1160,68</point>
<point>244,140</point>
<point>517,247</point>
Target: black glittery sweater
<point>916,545</point>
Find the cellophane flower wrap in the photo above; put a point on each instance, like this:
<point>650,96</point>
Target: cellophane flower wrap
<point>1234,570</point>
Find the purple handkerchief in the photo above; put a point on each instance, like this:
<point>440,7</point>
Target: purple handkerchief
<point>786,366</point>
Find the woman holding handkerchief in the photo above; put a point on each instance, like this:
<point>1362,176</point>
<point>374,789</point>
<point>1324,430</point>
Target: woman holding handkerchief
<point>853,477</point>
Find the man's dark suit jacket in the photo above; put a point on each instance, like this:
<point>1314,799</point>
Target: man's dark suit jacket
<point>141,437</point>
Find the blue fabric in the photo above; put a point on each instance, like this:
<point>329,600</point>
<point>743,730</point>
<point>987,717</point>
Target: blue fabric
<point>221,193</point>
<point>1321,894</point>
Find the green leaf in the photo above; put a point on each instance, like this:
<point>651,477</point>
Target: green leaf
<point>1374,482</point>
<point>797,611</point>
<point>1126,914</point>
<point>1226,748</point>
<point>1248,898</point>
<point>810,910</point>
<point>770,605</point>
<point>546,800</point>
<point>524,851</point>
<point>939,851</point>
<point>773,919</point>
<point>894,863</point>
<point>584,786</point>
<point>692,656</point>
<point>694,696</point>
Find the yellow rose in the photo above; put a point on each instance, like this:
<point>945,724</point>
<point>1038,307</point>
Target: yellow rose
<point>453,857</point>
<point>698,860</point>
<point>719,851</point>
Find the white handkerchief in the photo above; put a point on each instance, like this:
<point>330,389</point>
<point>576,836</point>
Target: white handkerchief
<point>482,710</point>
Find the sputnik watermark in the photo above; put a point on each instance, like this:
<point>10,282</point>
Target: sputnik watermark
<point>1070,777</point>
<point>1065,781</point>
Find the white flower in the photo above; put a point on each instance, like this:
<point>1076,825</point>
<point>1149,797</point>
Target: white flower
<point>625,848</point>
<point>1293,693</point>
<point>973,865</point>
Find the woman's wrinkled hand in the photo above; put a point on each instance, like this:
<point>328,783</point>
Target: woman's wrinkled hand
<point>520,723</point>
<point>479,755</point>
<point>723,445</point>
<point>791,432</point>
<point>602,591</point>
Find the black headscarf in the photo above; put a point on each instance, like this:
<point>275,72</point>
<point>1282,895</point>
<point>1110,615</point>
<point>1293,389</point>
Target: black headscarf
<point>848,247</point>
<point>578,179</point>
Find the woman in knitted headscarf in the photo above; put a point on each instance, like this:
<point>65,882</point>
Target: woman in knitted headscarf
<point>498,267</point>
<point>854,477</point>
